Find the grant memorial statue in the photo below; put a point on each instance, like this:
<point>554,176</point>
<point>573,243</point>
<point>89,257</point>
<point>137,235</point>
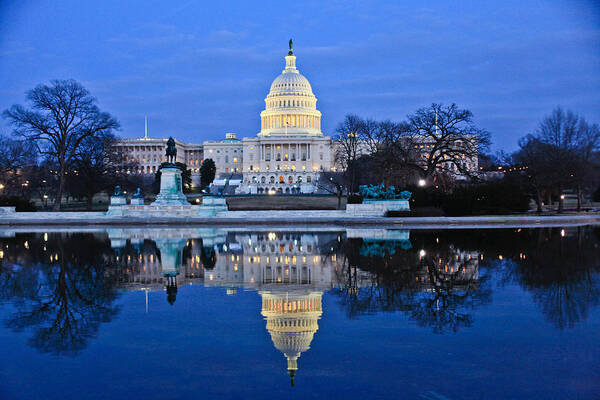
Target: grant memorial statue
<point>171,190</point>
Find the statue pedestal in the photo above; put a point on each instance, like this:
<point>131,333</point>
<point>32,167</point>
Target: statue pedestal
<point>211,206</point>
<point>137,201</point>
<point>170,188</point>
<point>116,206</point>
<point>118,200</point>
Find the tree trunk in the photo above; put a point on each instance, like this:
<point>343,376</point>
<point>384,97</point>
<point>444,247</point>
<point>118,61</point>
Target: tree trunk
<point>339,196</point>
<point>61,187</point>
<point>538,200</point>
<point>579,198</point>
<point>561,202</point>
<point>90,199</point>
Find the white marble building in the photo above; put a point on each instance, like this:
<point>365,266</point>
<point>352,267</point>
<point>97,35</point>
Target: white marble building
<point>227,154</point>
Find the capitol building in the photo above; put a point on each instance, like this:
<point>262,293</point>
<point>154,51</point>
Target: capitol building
<point>286,156</point>
<point>290,150</point>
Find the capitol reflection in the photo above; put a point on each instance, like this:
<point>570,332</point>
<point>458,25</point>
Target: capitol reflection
<point>292,270</point>
<point>289,270</point>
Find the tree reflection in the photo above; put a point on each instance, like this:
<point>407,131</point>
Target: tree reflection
<point>560,269</point>
<point>437,288</point>
<point>61,287</point>
<point>448,274</point>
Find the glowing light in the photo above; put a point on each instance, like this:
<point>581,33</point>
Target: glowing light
<point>422,253</point>
<point>422,182</point>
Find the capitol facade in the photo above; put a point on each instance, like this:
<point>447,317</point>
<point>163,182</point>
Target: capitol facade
<point>290,151</point>
<point>286,156</point>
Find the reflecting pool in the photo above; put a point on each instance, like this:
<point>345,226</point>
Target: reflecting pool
<point>161,313</point>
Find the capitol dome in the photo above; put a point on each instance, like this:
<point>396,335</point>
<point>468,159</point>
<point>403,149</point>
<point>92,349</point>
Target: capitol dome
<point>290,106</point>
<point>292,320</point>
<point>291,82</point>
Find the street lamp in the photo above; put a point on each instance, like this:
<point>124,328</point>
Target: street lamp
<point>422,182</point>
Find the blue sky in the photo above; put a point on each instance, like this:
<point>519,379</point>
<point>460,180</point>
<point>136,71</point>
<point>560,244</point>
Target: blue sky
<point>199,69</point>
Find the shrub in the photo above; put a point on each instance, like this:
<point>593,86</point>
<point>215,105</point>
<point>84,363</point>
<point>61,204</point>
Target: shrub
<point>596,195</point>
<point>20,204</point>
<point>499,197</point>
<point>354,199</point>
<point>486,198</point>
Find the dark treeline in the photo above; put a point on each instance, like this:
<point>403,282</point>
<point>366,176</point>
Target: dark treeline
<point>433,144</point>
<point>62,146</point>
<point>561,154</point>
<point>431,152</point>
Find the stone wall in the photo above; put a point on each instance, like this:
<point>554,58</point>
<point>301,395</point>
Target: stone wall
<point>376,208</point>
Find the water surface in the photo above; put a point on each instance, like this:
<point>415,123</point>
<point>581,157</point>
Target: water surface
<point>358,313</point>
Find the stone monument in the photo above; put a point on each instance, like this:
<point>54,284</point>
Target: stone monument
<point>118,198</point>
<point>138,198</point>
<point>378,200</point>
<point>171,188</point>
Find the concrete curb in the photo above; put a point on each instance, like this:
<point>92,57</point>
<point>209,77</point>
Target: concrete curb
<point>414,222</point>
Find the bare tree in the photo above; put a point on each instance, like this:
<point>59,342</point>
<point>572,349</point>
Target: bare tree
<point>17,157</point>
<point>348,147</point>
<point>96,168</point>
<point>536,166</point>
<point>443,139</point>
<point>62,115</point>
<point>392,154</point>
<point>334,183</point>
<point>560,154</point>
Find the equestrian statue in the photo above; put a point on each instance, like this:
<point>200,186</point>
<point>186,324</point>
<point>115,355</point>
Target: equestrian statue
<point>171,151</point>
